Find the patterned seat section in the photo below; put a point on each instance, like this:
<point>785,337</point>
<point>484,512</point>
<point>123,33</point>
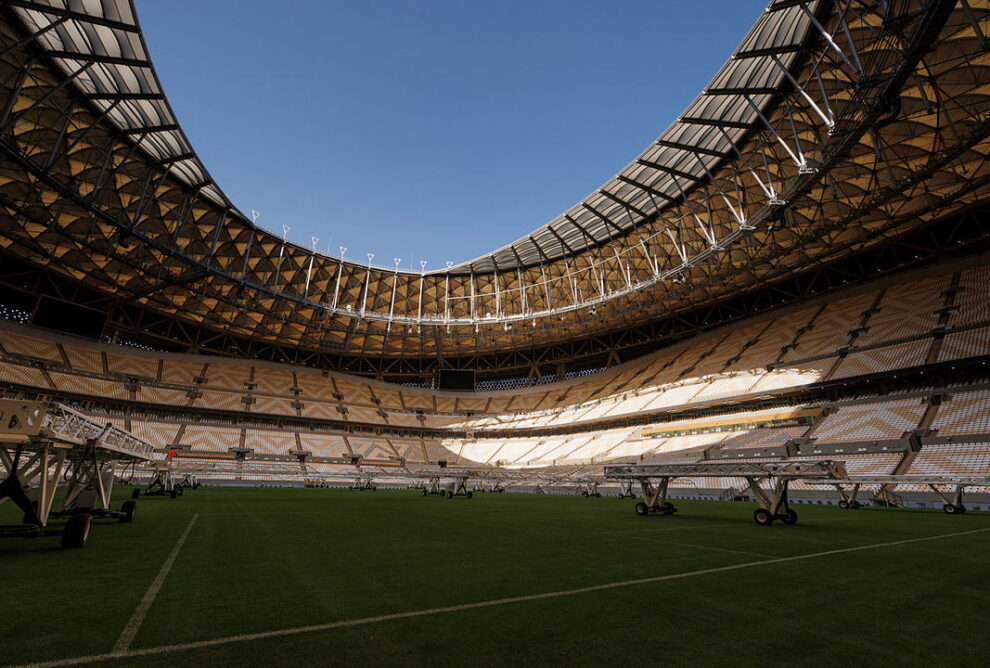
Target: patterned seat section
<point>873,421</point>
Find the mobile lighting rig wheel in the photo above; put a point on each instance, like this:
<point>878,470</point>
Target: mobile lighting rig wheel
<point>459,488</point>
<point>655,499</point>
<point>774,506</point>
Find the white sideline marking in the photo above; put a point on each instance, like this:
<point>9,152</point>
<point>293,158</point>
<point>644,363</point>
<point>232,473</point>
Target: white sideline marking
<point>127,635</point>
<point>200,644</point>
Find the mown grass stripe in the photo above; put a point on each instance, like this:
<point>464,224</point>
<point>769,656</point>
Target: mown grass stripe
<point>248,637</point>
<point>130,630</point>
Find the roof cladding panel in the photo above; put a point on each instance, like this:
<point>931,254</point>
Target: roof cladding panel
<point>114,69</point>
<point>789,162</point>
<point>99,44</point>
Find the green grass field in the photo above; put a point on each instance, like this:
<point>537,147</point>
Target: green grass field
<point>279,560</point>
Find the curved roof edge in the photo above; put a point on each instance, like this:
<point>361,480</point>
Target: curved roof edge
<point>101,49</point>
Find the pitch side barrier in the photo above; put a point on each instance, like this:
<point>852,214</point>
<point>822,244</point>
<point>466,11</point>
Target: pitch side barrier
<point>949,489</point>
<point>654,480</point>
<point>42,444</point>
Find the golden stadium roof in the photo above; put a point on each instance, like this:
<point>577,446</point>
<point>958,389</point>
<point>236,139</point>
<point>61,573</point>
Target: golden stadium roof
<point>834,127</point>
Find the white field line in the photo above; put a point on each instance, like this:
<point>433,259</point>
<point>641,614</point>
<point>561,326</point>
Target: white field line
<point>127,635</point>
<point>181,647</point>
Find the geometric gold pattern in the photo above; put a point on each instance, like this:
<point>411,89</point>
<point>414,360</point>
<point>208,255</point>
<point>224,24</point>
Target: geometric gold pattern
<point>836,127</point>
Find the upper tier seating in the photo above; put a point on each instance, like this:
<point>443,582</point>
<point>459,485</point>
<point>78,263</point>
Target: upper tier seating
<point>829,331</point>
<point>963,459</point>
<point>877,360</point>
<point>871,421</point>
<point>973,298</point>
<point>762,438</point>
<point>966,413</point>
<point>905,310</point>
<point>29,346</point>
<point>967,343</point>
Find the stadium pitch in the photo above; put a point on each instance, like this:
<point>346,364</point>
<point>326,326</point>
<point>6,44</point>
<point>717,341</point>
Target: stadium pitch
<point>265,577</point>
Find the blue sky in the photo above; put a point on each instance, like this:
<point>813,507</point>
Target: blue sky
<point>428,130</point>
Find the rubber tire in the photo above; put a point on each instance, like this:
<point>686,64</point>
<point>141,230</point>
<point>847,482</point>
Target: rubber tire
<point>76,531</point>
<point>425,492</point>
<point>855,505</point>
<point>470,494</point>
<point>621,496</point>
<point>762,517</point>
<point>641,509</point>
<point>789,517</point>
<point>667,508</point>
<point>136,494</point>
<point>961,509</point>
<point>129,509</point>
<point>949,509</point>
<point>450,495</point>
<point>584,494</point>
<point>598,495</point>
<point>179,490</point>
<point>174,493</point>
<point>27,518</point>
<point>843,504</point>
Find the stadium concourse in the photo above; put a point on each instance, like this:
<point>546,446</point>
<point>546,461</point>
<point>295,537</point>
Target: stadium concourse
<point>780,307</point>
